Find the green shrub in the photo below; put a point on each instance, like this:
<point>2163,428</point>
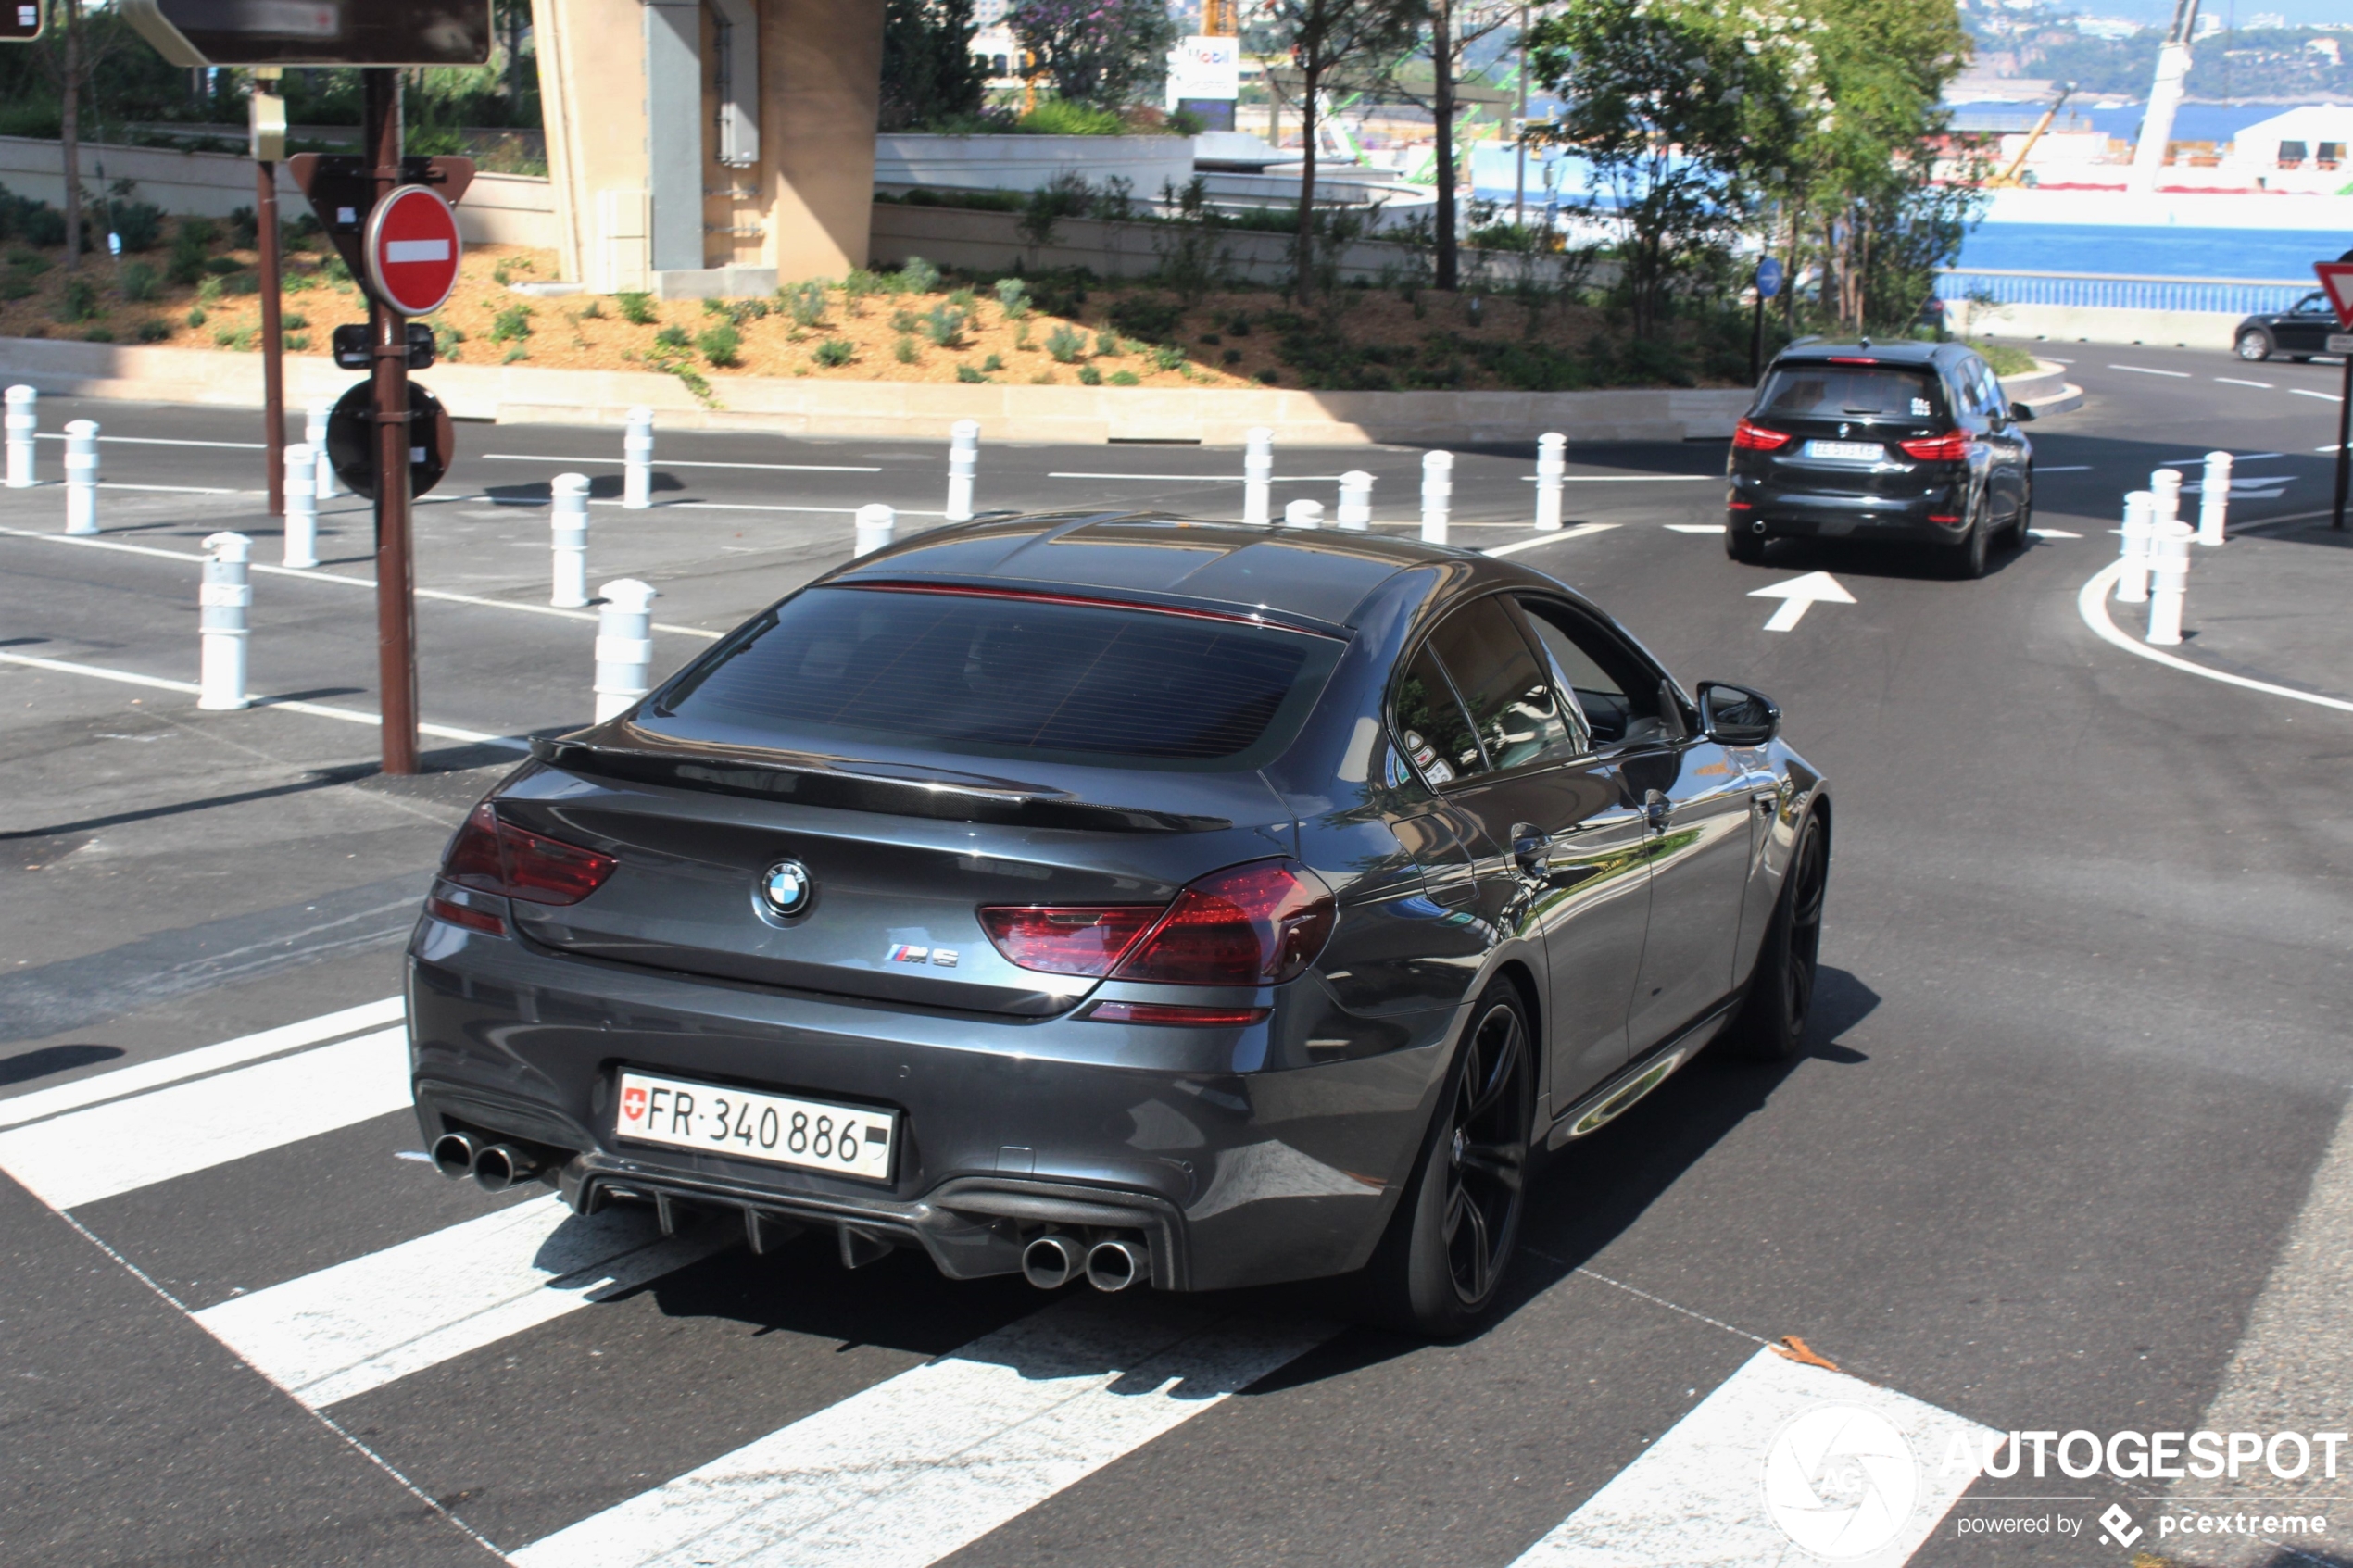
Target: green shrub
<point>722,344</point>
<point>31,263</point>
<point>36,222</point>
<point>197,232</point>
<point>1232,357</point>
<point>1066,344</point>
<point>905,321</point>
<point>1168,357</point>
<point>511,325</point>
<point>917,276</point>
<point>593,311</point>
<point>715,307</point>
<point>241,283</point>
<point>1140,315</point>
<point>196,316</point>
<point>1267,377</point>
<point>138,224</point>
<point>807,304</point>
<point>297,283</point>
<point>1060,117</point>
<point>1107,346</point>
<point>1012,298</point>
<point>241,339</point>
<point>244,228</point>
<point>335,269</point>
<point>905,351</point>
<point>518,351</point>
<point>637,308</point>
<point>98,334</point>
<point>673,337</point>
<point>221,266</point>
<point>944,324</point>
<point>16,285</point>
<point>1090,376</point>
<point>209,292</point>
<point>138,282</point>
<point>1125,378</point>
<point>295,343</point>
<point>835,352</point>
<point>967,374</point>
<point>153,332</point>
<point>79,302</point>
<point>185,264</point>
<point>293,321</point>
<point>994,362</point>
<point>963,299</point>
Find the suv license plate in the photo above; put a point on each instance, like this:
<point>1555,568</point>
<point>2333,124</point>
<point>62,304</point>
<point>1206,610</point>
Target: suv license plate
<point>850,1140</point>
<point>1846,451</point>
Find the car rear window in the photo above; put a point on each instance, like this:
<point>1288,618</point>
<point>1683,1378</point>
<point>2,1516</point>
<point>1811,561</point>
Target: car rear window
<point>1006,676</point>
<point>1819,391</point>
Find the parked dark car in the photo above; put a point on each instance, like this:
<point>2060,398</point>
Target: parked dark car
<point>1906,442</point>
<point>1125,898</point>
<point>2297,333</point>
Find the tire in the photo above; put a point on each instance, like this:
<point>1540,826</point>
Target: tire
<point>1746,548</point>
<point>1771,1026</point>
<point>1442,1263</point>
<point>2253,344</point>
<point>1967,560</point>
<point>2014,536</point>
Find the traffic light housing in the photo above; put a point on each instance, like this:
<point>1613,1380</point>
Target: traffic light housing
<point>313,32</point>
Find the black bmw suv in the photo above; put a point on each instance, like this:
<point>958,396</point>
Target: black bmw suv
<point>1906,441</point>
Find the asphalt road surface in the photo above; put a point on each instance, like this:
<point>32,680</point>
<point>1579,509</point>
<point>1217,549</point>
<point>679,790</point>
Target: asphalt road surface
<point>2064,1155</point>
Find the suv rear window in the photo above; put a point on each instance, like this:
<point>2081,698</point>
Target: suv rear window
<point>1813,390</point>
<point>1005,676</point>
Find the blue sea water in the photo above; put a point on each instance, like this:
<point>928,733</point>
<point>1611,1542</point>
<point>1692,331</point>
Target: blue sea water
<point>2165,253</point>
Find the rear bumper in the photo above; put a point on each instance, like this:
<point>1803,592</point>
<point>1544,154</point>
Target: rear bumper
<point>1232,1174</point>
<point>1880,509</point>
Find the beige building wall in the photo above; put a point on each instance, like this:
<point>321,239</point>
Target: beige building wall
<point>821,78</point>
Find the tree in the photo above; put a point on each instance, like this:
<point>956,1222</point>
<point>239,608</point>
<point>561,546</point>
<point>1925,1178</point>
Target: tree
<point>1323,35</point>
<point>930,73</point>
<point>1099,52</point>
<point>1680,109</point>
<point>1454,26</point>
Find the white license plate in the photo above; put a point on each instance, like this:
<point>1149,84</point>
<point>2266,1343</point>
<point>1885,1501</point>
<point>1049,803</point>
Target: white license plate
<point>853,1140</point>
<point>1846,451</point>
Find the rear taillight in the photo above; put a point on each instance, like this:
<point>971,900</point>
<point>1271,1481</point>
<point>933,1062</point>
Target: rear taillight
<point>491,856</point>
<point>465,915</point>
<point>1950,447</point>
<point>1082,940</point>
<point>1750,437</point>
<point>1259,924</point>
<point>1170,1012</point>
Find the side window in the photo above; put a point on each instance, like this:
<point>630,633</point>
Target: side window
<point>1511,701</point>
<point>1616,692</point>
<point>1431,725</point>
<point>1989,390</point>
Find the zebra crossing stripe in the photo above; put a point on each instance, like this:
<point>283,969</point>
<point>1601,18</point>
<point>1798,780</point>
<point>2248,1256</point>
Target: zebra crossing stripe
<point>1704,1495</point>
<point>362,1324</point>
<point>908,1471</point>
<point>123,1145</point>
<point>20,1108</point>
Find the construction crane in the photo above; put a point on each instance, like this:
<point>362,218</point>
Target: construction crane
<point>1221,18</point>
<point>2008,177</point>
<point>2165,97</point>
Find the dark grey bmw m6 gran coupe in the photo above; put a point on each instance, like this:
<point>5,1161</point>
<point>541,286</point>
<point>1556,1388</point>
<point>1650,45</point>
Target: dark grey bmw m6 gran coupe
<point>1122,897</point>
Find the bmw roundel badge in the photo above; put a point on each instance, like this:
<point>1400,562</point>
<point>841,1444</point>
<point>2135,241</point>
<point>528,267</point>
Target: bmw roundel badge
<point>787,888</point>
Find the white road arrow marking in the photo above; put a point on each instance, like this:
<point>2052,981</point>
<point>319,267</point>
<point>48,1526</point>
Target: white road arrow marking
<point>1797,594</point>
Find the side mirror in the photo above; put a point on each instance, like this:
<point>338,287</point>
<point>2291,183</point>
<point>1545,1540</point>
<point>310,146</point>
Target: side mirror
<point>2022,413</point>
<point>1736,716</point>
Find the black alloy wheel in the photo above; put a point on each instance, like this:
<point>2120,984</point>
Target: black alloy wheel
<point>2021,525</point>
<point>1771,1026</point>
<point>1442,1264</point>
<point>1967,560</point>
<point>2253,344</point>
<point>1743,547</point>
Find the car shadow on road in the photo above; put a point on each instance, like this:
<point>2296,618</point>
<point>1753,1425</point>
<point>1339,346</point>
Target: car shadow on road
<point>601,488</point>
<point>1843,557</point>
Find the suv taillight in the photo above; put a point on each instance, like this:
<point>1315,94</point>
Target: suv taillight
<point>1950,447</point>
<point>1257,924</point>
<point>491,856</point>
<point>1752,437</point>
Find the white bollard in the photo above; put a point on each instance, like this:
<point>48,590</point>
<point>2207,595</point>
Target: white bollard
<point>1303,514</point>
<point>81,477</point>
<point>1552,469</point>
<point>1437,494</point>
<point>567,537</point>
<point>637,460</point>
<point>220,622</point>
<point>24,419</point>
<point>314,434</point>
<point>963,459</point>
<point>302,509</point>
<point>2140,515</point>
<point>2214,498</point>
<point>1356,500</point>
<point>625,646</point>
<point>1258,474</point>
<point>2170,581</point>
<point>877,525</point>
<point>2166,485</point>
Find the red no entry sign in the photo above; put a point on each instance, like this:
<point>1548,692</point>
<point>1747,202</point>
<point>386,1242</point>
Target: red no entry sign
<point>411,249</point>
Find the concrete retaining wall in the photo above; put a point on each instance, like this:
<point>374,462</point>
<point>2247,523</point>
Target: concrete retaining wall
<point>516,210</point>
<point>2075,323</point>
<point>1025,163</point>
<point>518,394</point>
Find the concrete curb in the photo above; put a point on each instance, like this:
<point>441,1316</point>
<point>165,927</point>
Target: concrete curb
<point>520,394</point>
<point>2044,389</point>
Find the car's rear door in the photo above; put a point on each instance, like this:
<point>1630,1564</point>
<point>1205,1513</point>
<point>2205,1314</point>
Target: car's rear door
<point>2306,328</point>
<point>1559,854</point>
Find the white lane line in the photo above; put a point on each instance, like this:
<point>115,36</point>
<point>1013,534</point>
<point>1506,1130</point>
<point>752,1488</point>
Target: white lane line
<point>166,441</point>
<point>287,704</point>
<point>676,463</point>
<point>904,1472</point>
<point>1579,532</point>
<point>2091,603</point>
<point>20,1108</point>
<point>2053,533</point>
<point>2062,468</point>
<point>1711,1493</point>
<point>749,507</point>
<point>1210,477</point>
<point>1693,527</point>
<point>1630,478</point>
<point>118,1147</point>
<point>2234,381</point>
<point>2145,371</point>
<point>2323,397</point>
<point>177,489</point>
<point>340,1332</point>
<point>312,574</point>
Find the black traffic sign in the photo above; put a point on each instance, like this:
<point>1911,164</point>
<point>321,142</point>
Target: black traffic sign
<point>315,33</point>
<point>351,439</point>
<point>21,20</point>
<point>352,351</point>
<point>341,191</point>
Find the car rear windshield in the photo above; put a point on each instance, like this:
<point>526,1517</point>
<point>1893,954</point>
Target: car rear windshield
<point>1011,676</point>
<point>1819,391</point>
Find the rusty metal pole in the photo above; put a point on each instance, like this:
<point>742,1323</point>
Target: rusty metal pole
<point>387,333</point>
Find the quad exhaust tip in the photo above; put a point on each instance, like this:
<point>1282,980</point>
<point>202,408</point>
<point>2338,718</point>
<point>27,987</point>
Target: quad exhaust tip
<point>1051,1262</point>
<point>1115,1265</point>
<point>499,1166</point>
<point>453,1155</point>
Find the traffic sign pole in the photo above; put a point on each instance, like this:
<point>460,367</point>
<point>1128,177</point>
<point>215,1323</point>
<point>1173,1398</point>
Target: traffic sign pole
<point>269,146</point>
<point>387,333</point>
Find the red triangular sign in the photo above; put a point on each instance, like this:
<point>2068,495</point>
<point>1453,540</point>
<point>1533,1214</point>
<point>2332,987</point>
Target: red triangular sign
<point>2336,277</point>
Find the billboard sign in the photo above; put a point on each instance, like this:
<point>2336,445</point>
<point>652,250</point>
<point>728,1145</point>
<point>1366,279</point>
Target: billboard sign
<point>314,32</point>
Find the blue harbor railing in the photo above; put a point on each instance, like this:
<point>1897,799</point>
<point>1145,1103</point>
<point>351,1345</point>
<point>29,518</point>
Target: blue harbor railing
<point>2120,290</point>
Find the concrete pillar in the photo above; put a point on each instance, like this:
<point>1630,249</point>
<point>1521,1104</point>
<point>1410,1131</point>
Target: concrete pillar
<point>672,34</point>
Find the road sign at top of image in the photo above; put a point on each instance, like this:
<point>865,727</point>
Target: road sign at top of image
<point>313,32</point>
<point>411,250</point>
<point>21,20</point>
<point>2336,278</point>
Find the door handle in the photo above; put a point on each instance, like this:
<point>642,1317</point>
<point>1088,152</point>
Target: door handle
<point>1656,809</point>
<point>1530,849</point>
